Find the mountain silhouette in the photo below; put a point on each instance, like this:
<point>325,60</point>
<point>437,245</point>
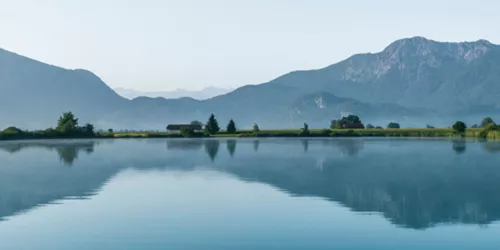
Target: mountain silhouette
<point>414,81</point>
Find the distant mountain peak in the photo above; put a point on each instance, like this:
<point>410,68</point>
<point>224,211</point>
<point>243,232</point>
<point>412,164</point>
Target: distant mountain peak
<point>203,94</point>
<point>421,47</point>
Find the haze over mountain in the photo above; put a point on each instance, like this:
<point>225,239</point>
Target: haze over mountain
<point>205,93</point>
<point>414,81</point>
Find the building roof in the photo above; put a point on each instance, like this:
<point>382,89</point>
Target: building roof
<point>179,126</point>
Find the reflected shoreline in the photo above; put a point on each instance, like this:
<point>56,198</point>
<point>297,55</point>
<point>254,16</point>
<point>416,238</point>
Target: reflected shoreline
<point>415,193</point>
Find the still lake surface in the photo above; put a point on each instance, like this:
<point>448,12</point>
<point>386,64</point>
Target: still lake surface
<point>249,194</point>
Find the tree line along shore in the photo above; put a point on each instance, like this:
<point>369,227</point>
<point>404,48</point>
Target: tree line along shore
<point>349,126</point>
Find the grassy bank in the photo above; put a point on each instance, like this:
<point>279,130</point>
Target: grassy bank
<point>413,132</point>
<point>410,132</point>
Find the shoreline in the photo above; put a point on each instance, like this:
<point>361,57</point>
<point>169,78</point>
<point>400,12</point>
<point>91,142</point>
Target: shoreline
<point>322,133</point>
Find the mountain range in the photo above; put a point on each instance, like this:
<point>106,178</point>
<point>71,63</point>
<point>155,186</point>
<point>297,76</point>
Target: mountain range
<point>202,94</point>
<point>414,81</point>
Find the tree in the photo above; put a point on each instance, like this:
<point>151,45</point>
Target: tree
<point>491,127</point>
<point>88,129</point>
<point>475,126</point>
<point>378,127</point>
<point>67,123</point>
<point>459,127</point>
<point>305,129</point>
<point>231,127</point>
<point>393,125</point>
<point>333,124</point>
<point>486,121</point>
<point>352,120</point>
<point>197,123</point>
<point>110,130</point>
<point>369,126</point>
<point>429,126</point>
<point>339,124</point>
<point>12,130</point>
<point>187,131</point>
<point>256,128</point>
<point>212,126</point>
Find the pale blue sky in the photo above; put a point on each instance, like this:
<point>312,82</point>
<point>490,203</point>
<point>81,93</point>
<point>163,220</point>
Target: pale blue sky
<point>166,44</point>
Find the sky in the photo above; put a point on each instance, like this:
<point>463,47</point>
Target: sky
<point>157,45</point>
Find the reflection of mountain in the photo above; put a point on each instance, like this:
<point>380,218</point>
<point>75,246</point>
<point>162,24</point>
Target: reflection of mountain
<point>408,195</point>
<point>416,189</point>
<point>24,186</point>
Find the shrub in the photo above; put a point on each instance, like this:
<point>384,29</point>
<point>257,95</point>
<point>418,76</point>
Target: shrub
<point>187,131</point>
<point>486,121</point>
<point>12,130</point>
<point>393,125</point>
<point>459,127</point>
<point>325,132</point>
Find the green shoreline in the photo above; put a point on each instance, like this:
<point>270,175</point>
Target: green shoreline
<point>418,132</point>
<point>326,133</point>
<point>350,126</point>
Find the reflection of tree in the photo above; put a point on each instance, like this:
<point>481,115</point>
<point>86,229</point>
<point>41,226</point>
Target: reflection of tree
<point>492,147</point>
<point>305,144</point>
<point>459,146</point>
<point>11,148</point>
<point>89,150</point>
<point>256,144</point>
<point>67,154</point>
<point>350,147</point>
<point>231,147</point>
<point>212,148</point>
<point>67,150</point>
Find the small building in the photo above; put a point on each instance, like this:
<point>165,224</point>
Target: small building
<point>177,127</point>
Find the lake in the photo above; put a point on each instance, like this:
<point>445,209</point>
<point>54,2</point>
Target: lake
<point>249,194</point>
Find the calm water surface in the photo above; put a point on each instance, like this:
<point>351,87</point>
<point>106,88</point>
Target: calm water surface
<point>249,194</point>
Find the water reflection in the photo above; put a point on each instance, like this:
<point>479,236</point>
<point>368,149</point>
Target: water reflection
<point>212,148</point>
<point>305,144</point>
<point>350,147</point>
<point>231,147</point>
<point>413,184</point>
<point>256,144</point>
<point>493,147</point>
<point>184,144</point>
<point>68,151</point>
<point>459,146</point>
